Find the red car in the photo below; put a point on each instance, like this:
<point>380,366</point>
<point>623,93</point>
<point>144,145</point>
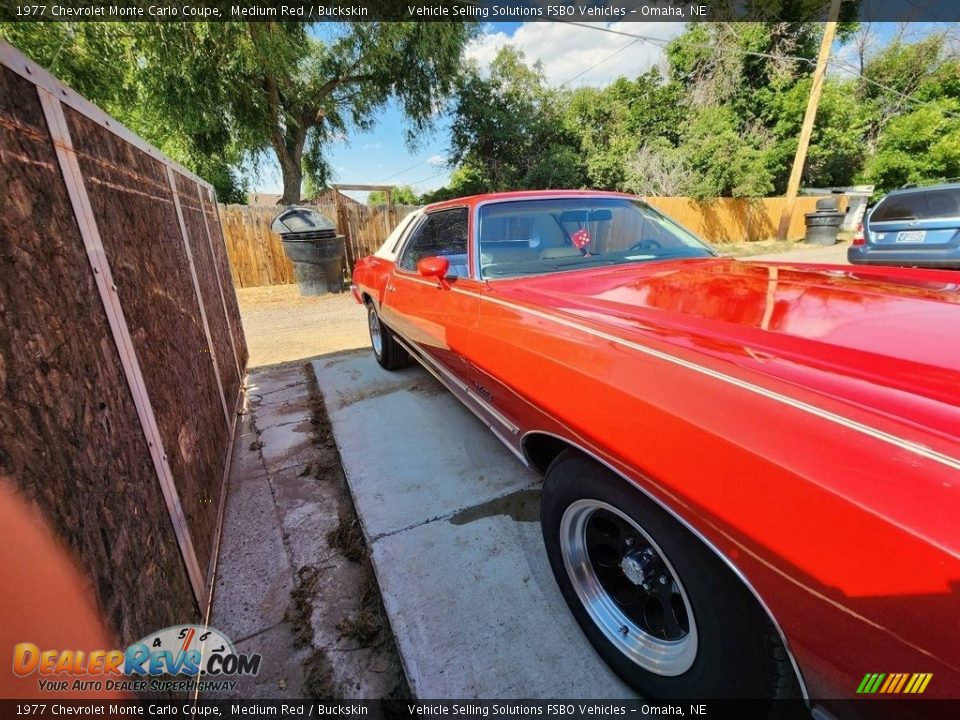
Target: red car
<point>751,482</point>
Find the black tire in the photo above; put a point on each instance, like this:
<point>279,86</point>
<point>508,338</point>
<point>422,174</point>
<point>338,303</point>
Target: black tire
<point>738,652</point>
<point>388,352</point>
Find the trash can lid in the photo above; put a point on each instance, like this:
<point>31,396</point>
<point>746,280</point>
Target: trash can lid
<point>296,220</point>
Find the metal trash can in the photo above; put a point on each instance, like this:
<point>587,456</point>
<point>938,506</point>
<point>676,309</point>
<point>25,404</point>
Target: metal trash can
<point>824,224</point>
<point>311,242</point>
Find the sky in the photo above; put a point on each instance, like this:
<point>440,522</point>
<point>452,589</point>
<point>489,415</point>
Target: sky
<point>572,56</point>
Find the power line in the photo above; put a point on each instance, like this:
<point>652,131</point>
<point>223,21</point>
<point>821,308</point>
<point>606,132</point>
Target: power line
<point>889,89</point>
<point>430,177</point>
<point>389,177</point>
<point>596,65</point>
<point>854,68</point>
<point>663,43</point>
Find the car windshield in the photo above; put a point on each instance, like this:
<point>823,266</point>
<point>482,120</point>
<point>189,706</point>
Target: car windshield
<point>532,237</point>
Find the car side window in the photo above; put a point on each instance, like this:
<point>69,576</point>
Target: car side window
<point>442,234</point>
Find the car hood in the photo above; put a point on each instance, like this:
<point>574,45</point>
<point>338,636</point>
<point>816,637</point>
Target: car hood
<point>892,327</point>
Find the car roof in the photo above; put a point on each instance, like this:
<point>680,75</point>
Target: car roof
<point>924,188</point>
<point>522,195</point>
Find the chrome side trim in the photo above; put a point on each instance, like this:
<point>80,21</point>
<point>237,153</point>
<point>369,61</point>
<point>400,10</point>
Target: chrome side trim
<point>509,445</point>
<point>447,384</point>
<point>875,433</point>
<point>713,548</point>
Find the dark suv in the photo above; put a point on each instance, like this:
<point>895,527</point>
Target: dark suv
<point>913,226</point>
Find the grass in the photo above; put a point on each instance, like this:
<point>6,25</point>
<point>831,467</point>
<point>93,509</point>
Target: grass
<point>770,246</point>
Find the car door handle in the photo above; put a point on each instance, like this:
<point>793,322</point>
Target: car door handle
<point>391,288</point>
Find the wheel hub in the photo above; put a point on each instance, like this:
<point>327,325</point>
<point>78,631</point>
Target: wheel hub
<point>639,567</point>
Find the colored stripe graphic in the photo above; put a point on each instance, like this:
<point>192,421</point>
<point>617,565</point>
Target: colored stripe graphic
<point>894,683</point>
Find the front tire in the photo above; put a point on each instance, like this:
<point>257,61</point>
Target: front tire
<point>663,611</point>
<point>388,352</point>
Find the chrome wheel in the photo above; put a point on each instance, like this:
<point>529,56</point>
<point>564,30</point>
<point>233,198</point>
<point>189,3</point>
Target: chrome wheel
<point>376,336</point>
<point>628,587</point>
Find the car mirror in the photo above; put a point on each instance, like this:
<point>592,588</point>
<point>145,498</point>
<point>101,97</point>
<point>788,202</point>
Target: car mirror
<point>435,267</point>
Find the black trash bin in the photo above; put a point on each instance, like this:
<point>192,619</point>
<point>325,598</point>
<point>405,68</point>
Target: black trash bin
<point>311,242</point>
<point>824,224</point>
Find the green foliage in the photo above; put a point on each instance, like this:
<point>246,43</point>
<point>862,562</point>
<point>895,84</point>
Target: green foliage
<point>401,195</point>
<point>508,129</point>
<point>724,122</point>
<point>110,64</point>
<point>837,148</point>
<point>918,146</point>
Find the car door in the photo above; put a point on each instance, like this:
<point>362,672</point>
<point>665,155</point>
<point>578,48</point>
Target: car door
<point>435,321</point>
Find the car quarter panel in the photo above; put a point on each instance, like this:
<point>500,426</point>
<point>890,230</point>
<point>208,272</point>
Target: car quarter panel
<point>847,536</point>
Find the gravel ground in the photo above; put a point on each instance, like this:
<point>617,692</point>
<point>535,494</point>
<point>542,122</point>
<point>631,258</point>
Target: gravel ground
<point>281,325</point>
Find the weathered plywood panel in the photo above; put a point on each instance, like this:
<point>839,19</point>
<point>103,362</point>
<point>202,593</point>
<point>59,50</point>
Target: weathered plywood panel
<point>70,437</point>
<point>226,281</point>
<point>133,207</point>
<point>209,286</point>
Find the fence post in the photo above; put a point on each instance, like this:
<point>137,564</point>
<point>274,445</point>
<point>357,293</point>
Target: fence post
<point>343,223</point>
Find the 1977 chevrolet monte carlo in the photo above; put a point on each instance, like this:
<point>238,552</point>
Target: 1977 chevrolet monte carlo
<point>752,469</point>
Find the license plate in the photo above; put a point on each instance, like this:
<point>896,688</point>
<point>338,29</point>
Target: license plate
<point>911,236</point>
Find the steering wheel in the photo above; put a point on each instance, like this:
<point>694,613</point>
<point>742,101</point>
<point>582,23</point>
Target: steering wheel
<point>646,245</point>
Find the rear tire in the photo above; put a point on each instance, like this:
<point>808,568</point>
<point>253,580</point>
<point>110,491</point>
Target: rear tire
<point>388,352</point>
<point>663,611</point>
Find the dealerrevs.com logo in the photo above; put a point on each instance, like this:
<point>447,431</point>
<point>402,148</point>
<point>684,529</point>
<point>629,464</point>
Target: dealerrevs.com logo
<point>179,658</point>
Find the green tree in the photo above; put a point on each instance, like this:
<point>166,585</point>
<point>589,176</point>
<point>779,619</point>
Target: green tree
<point>290,88</point>
<point>613,123</point>
<point>401,195</point>
<point>837,148</point>
<point>507,129</point>
<point>918,146</point>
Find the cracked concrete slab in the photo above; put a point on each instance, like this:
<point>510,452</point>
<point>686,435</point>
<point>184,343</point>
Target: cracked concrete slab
<point>411,452</point>
<point>254,575</point>
<point>283,589</point>
<point>451,518</point>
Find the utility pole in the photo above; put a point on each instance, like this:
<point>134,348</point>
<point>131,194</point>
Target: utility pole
<point>793,186</point>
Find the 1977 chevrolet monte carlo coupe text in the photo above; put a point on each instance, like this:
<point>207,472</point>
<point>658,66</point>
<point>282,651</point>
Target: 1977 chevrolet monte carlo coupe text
<point>752,469</point>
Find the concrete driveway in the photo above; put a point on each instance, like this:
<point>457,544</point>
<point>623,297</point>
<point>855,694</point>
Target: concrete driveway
<point>451,519</point>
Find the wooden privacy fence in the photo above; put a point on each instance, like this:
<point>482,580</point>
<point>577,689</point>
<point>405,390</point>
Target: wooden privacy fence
<point>256,254</point>
<point>723,220</point>
<point>257,257</point>
<point>121,350</point>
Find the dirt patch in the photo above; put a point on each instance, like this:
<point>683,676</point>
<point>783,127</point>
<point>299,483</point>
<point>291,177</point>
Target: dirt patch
<point>281,325</point>
<point>348,539</point>
<point>336,609</point>
<point>301,606</point>
<point>318,680</point>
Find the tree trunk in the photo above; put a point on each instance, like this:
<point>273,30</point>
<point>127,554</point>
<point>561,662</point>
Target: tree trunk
<point>289,149</point>
<point>292,180</point>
